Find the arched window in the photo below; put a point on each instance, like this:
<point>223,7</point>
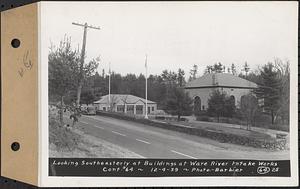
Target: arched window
<point>232,99</point>
<point>197,105</point>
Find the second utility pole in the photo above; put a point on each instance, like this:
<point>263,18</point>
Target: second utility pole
<point>81,74</point>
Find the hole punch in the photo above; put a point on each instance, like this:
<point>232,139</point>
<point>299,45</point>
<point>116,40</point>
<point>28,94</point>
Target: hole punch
<point>15,43</point>
<point>15,146</point>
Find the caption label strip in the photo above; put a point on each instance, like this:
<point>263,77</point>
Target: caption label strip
<point>97,167</point>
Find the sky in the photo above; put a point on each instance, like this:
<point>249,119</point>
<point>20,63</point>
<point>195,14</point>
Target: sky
<point>176,34</point>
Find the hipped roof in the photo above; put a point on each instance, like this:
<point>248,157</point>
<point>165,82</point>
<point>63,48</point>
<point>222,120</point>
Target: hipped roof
<point>220,80</point>
<point>122,99</point>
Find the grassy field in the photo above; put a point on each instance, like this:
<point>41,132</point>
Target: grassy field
<point>224,129</point>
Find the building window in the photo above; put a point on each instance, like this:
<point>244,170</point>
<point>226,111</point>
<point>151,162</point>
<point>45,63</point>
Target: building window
<point>120,108</point>
<point>231,89</point>
<point>197,105</point>
<point>104,108</point>
<point>152,109</point>
<point>130,109</point>
<point>139,109</point>
<point>203,107</point>
<point>232,99</point>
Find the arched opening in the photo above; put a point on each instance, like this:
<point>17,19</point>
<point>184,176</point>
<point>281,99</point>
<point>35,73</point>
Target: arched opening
<point>197,105</point>
<point>232,99</point>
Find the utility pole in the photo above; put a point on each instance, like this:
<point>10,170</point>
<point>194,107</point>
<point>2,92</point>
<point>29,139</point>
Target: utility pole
<point>109,73</point>
<point>81,76</point>
<point>146,91</point>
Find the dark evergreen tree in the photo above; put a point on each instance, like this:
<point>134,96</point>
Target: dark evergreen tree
<point>216,104</point>
<point>233,69</point>
<point>269,89</point>
<point>216,68</point>
<point>180,78</point>
<point>193,72</point>
<point>178,103</point>
<point>87,97</point>
<point>62,73</point>
<point>220,105</point>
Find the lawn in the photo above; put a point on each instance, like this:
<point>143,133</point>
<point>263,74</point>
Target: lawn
<point>222,128</point>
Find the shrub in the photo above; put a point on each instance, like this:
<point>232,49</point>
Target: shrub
<point>279,127</point>
<point>160,117</point>
<point>235,121</point>
<point>224,120</point>
<point>183,119</point>
<point>203,118</point>
<point>62,137</point>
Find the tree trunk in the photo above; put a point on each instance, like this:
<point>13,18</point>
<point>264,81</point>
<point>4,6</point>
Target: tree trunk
<point>272,117</point>
<point>61,110</point>
<point>248,126</point>
<point>79,93</point>
<point>247,123</point>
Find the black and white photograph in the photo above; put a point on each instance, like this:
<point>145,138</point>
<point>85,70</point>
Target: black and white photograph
<point>170,81</point>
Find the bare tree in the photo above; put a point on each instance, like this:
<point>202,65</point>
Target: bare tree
<point>248,108</point>
<point>112,102</point>
<point>283,70</point>
<point>124,100</point>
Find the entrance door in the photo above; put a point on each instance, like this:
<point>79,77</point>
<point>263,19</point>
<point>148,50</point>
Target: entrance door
<point>148,110</point>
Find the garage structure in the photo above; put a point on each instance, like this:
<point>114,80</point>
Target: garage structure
<point>125,103</point>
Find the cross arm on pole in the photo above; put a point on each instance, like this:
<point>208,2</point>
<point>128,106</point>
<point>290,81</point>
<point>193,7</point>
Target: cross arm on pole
<point>85,25</point>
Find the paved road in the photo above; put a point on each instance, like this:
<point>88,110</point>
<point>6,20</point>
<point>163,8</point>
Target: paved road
<point>153,142</point>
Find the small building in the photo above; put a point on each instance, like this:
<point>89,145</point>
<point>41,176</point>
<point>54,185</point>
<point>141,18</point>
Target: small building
<point>201,88</point>
<point>125,103</point>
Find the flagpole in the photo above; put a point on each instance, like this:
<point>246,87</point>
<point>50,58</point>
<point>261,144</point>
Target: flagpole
<point>146,114</point>
<point>109,87</point>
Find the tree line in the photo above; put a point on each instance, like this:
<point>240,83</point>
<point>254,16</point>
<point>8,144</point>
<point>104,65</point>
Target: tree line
<point>167,88</point>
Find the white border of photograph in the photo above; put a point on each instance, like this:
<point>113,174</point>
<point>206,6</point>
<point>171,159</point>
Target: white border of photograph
<point>52,181</point>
